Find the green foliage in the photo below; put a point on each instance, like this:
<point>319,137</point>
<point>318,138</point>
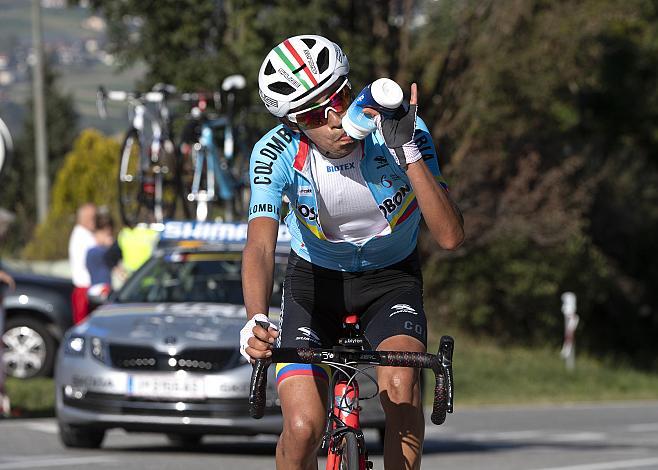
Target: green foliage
<point>87,175</point>
<point>511,290</point>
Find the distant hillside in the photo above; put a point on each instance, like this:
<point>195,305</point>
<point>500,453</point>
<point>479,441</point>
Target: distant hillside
<point>74,45</point>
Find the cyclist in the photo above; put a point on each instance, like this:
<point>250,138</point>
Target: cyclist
<point>354,214</point>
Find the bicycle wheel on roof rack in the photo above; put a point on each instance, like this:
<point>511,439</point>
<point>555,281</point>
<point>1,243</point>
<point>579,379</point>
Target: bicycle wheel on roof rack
<point>136,189</point>
<point>166,183</point>
<point>6,147</point>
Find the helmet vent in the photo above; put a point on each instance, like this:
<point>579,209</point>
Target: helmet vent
<point>323,60</point>
<point>281,87</point>
<point>309,42</point>
<point>269,69</point>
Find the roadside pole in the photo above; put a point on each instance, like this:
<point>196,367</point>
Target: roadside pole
<point>42,185</point>
<point>570,323</point>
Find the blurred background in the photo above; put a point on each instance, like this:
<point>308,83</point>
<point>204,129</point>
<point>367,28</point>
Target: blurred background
<point>544,113</point>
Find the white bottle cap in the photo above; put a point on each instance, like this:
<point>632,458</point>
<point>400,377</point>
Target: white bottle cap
<point>387,93</point>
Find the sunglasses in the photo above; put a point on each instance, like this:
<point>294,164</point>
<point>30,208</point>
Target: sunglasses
<point>317,115</point>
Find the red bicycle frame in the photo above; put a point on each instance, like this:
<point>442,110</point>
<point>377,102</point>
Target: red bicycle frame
<point>346,409</point>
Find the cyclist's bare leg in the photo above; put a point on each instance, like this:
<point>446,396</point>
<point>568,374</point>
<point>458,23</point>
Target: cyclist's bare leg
<point>399,392</point>
<point>303,402</point>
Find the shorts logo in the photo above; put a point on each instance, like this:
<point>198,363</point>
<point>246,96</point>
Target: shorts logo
<point>307,335</point>
<point>402,308</point>
<point>387,183</point>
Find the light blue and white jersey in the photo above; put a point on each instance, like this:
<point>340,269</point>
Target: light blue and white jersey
<point>280,165</point>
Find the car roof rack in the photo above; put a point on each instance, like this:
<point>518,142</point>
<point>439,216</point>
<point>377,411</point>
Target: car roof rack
<point>184,235</point>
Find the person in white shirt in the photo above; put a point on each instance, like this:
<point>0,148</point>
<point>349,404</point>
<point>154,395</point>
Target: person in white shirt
<point>82,239</point>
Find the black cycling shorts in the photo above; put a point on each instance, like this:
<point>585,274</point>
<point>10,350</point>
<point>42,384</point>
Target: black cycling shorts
<point>388,301</point>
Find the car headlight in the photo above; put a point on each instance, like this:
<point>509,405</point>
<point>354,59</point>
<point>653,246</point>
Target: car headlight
<point>97,349</point>
<point>75,346</point>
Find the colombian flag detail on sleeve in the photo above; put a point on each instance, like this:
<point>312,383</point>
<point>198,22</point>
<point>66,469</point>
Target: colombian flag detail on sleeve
<point>285,370</point>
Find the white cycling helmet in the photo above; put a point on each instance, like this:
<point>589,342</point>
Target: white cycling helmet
<point>298,70</point>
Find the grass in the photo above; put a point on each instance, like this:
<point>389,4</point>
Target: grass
<point>485,374</point>
<point>33,397</point>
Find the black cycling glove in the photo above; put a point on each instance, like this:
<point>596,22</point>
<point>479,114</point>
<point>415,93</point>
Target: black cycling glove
<point>398,131</point>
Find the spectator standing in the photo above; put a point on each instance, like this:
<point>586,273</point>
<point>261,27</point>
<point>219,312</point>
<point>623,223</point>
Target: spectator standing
<point>82,239</point>
<point>6,218</point>
<point>97,262</point>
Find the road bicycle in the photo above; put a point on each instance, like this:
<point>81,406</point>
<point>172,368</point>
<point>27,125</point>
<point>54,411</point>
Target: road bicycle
<point>212,171</point>
<point>147,180</point>
<point>343,439</point>
<point>6,147</point>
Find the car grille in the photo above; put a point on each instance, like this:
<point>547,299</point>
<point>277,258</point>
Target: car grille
<point>144,358</point>
<point>206,408</point>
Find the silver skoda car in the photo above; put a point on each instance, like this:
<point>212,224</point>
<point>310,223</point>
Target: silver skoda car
<point>162,355</point>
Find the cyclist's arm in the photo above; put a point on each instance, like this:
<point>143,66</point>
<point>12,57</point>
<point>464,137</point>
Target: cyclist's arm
<point>267,180</point>
<point>258,264</point>
<point>442,216</point>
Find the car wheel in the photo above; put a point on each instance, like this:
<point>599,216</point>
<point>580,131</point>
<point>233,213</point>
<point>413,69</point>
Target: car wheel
<point>29,348</point>
<point>185,440</point>
<point>82,437</point>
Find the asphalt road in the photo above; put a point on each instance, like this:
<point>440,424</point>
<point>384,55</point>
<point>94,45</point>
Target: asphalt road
<point>570,437</point>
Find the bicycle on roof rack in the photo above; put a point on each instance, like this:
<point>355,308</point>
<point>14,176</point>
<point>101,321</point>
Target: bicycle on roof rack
<point>6,147</point>
<point>147,176</point>
<point>212,172</point>
<point>343,438</point>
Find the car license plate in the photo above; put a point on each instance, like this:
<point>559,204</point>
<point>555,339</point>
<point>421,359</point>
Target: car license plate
<point>157,386</point>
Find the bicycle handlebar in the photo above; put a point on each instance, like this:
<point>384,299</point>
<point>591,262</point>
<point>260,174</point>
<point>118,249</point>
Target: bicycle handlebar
<point>440,364</point>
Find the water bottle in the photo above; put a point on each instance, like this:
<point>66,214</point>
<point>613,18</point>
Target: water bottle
<point>383,94</point>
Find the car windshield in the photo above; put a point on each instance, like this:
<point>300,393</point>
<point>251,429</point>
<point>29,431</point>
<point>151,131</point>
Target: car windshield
<point>192,277</point>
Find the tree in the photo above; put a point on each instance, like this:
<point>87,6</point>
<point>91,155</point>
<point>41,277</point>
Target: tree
<point>544,117</point>
<point>92,164</point>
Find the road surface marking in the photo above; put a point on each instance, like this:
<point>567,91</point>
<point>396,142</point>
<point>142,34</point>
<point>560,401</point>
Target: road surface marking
<point>63,462</point>
<point>609,465</point>
<point>47,426</point>
<point>643,427</point>
<point>577,437</point>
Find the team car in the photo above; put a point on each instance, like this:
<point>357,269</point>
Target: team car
<point>162,354</point>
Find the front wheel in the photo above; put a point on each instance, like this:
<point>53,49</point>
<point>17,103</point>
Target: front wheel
<point>81,437</point>
<point>348,457</point>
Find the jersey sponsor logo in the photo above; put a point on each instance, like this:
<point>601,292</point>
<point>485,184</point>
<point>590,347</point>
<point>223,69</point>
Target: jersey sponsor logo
<point>402,308</point>
<point>258,208</point>
<point>424,146</point>
<point>381,161</point>
<point>390,204</point>
<point>307,212</point>
<point>271,150</point>
<point>308,334</point>
<point>304,191</point>
<point>345,166</point>
<point>387,183</point>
